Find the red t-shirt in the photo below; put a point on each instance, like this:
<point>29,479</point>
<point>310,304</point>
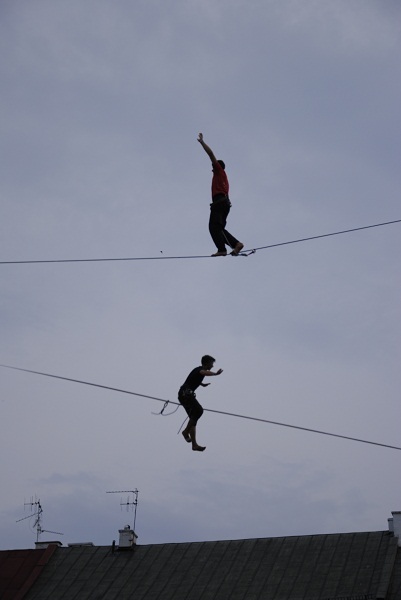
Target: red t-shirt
<point>219,182</point>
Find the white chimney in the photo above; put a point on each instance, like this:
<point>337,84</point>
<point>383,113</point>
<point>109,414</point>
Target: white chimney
<point>394,525</point>
<point>128,538</point>
<point>43,545</point>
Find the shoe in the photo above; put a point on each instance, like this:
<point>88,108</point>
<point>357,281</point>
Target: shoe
<point>237,249</point>
<point>220,253</point>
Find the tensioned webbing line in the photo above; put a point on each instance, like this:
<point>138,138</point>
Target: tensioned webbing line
<point>243,252</point>
<point>219,412</point>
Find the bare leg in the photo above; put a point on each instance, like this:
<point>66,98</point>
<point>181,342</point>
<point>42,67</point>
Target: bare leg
<point>187,431</point>
<point>186,436</point>
<point>195,445</point>
<point>189,434</point>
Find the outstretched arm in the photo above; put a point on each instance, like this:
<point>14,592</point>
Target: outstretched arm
<point>209,373</point>
<point>206,148</point>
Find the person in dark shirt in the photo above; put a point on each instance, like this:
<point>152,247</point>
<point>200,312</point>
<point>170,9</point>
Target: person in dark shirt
<point>187,397</point>
<point>220,206</point>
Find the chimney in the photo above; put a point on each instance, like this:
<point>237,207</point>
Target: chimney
<point>128,538</point>
<point>43,545</point>
<point>394,525</point>
<point>80,544</point>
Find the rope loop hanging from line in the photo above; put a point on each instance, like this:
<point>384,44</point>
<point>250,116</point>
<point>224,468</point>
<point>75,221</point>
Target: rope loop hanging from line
<point>166,403</point>
<point>164,408</point>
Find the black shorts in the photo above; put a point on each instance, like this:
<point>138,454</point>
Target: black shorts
<point>192,407</point>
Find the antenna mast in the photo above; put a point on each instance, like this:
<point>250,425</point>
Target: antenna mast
<point>129,504</point>
<point>37,514</point>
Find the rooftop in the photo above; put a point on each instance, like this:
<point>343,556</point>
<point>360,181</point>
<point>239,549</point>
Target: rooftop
<point>352,566</point>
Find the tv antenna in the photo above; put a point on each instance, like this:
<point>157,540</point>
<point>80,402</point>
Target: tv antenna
<point>36,513</point>
<point>131,503</point>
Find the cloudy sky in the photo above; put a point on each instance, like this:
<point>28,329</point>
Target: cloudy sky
<point>101,106</point>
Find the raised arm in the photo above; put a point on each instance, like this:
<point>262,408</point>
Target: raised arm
<point>206,148</point>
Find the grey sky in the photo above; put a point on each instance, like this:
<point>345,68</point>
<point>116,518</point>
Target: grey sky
<point>101,105</point>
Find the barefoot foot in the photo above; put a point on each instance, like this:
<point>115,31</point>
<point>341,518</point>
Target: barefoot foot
<point>199,448</point>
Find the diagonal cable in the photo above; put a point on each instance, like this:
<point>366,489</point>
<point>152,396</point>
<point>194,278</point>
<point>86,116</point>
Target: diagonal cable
<point>243,253</point>
<point>219,412</point>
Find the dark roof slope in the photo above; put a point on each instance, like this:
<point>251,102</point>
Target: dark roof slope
<point>19,569</point>
<point>352,566</point>
<point>394,592</point>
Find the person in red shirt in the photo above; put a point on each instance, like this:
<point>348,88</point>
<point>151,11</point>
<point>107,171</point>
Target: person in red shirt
<point>220,206</point>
